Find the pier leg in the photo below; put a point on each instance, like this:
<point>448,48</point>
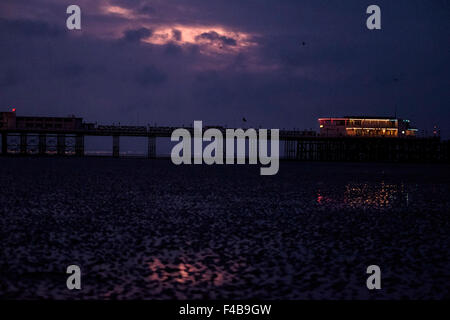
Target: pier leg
<point>116,146</point>
<point>290,149</point>
<point>151,152</point>
<point>293,148</point>
<point>42,143</point>
<point>286,155</point>
<point>299,152</point>
<point>4,143</point>
<point>23,143</point>
<point>61,144</point>
<point>288,145</point>
<point>79,145</point>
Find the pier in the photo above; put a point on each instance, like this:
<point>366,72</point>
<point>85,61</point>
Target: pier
<point>296,145</point>
<point>65,136</point>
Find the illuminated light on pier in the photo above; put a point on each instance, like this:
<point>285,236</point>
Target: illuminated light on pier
<point>366,126</point>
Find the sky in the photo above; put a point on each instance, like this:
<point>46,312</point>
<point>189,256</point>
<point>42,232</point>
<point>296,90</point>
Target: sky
<point>279,64</point>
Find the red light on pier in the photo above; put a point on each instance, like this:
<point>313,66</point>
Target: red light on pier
<point>13,109</point>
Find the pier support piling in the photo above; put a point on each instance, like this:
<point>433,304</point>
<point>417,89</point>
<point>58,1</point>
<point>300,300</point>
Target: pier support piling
<point>23,143</point>
<point>116,146</point>
<point>42,143</point>
<point>79,145</point>
<point>4,143</point>
<point>151,152</point>
<point>61,144</point>
<point>289,149</point>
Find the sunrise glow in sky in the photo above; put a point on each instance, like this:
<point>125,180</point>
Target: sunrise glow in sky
<point>213,38</point>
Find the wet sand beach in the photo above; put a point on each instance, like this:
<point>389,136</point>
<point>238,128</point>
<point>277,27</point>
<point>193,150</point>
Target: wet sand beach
<point>147,229</point>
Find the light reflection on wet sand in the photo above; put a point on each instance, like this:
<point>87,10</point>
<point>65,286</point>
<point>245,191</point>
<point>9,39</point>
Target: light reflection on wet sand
<point>142,229</point>
<point>356,195</point>
<point>195,273</point>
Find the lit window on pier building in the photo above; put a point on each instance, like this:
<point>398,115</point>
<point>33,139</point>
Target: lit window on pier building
<point>365,127</point>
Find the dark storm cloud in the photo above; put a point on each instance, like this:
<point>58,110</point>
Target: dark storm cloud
<point>150,75</point>
<point>215,37</point>
<point>148,10</point>
<point>172,49</point>
<point>137,35</point>
<point>176,34</point>
<point>29,28</point>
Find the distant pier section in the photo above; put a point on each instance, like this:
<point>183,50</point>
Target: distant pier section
<point>339,139</point>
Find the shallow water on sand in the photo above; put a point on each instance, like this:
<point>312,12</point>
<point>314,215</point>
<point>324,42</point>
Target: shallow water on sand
<point>150,230</point>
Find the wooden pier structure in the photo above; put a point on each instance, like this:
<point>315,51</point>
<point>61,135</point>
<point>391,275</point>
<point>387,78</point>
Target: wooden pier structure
<point>295,144</point>
<point>367,149</point>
